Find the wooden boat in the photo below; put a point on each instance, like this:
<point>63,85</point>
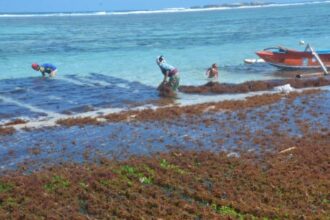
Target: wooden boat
<point>289,59</point>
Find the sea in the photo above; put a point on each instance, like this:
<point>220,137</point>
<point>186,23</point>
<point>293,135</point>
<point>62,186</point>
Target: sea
<point>106,60</point>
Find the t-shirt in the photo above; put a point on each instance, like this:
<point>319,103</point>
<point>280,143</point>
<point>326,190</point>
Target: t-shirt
<point>48,68</point>
<point>166,67</point>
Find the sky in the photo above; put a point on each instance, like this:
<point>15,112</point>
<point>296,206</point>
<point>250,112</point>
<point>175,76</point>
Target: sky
<point>107,5</point>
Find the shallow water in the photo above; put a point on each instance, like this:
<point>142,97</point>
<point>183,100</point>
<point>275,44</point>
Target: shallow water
<point>109,61</point>
<point>36,97</point>
<point>215,131</point>
<point>125,46</point>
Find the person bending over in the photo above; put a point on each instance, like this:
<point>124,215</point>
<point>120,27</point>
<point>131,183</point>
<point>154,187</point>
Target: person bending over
<point>171,74</point>
<point>48,68</point>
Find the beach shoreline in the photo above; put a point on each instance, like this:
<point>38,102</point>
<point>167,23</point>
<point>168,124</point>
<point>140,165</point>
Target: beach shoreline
<point>236,94</point>
<point>100,141</point>
<point>260,157</point>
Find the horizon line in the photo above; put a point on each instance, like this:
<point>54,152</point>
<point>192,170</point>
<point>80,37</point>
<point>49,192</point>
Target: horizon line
<point>169,10</point>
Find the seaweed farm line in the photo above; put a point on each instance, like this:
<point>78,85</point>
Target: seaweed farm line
<point>256,155</point>
<point>36,117</point>
<point>215,126</point>
<point>266,158</point>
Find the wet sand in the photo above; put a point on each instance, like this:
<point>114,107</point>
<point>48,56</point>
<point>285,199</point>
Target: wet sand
<point>263,157</point>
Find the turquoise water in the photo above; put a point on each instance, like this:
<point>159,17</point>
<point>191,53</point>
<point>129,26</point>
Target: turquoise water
<point>114,54</point>
<point>125,46</point>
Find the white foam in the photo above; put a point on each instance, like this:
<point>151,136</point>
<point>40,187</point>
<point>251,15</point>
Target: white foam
<point>52,121</point>
<point>180,10</point>
<point>53,97</point>
<point>326,88</point>
<point>77,82</point>
<point>96,82</point>
<point>57,98</point>
<point>101,13</point>
<point>186,100</point>
<point>122,85</point>
<point>30,107</point>
<point>167,10</point>
<point>284,89</point>
<point>191,100</point>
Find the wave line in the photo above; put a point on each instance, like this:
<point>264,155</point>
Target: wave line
<point>30,107</point>
<point>168,10</point>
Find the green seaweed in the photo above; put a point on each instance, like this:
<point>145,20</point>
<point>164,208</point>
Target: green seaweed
<point>149,170</point>
<point>129,171</point>
<point>168,166</point>
<point>10,202</point>
<point>83,185</point>
<point>145,180</point>
<point>5,187</point>
<point>149,187</point>
<point>228,211</point>
<point>105,182</point>
<point>57,183</point>
<point>326,201</point>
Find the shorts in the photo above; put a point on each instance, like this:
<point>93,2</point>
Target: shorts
<point>53,73</point>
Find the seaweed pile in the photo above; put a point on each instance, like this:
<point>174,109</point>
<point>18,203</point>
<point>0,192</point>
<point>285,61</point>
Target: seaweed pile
<point>253,86</point>
<point>168,113</point>
<point>278,168</point>
<point>290,182</point>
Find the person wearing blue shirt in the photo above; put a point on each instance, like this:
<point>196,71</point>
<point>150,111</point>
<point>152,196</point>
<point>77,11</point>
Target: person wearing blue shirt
<point>48,68</point>
<point>171,74</point>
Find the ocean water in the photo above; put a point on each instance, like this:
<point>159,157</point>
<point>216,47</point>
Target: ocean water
<point>107,60</point>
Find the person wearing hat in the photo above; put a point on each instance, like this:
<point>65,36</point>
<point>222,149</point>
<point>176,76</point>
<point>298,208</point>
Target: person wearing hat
<point>212,73</point>
<point>48,68</point>
<point>171,74</point>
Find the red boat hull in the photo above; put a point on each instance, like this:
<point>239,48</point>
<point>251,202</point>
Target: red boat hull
<point>292,59</point>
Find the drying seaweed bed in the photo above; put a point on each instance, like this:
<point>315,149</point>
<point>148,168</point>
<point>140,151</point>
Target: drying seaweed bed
<point>286,178</point>
<point>291,182</point>
<point>254,86</point>
<point>168,113</point>
<point>250,86</point>
<point>7,130</point>
<point>78,121</point>
<point>16,122</point>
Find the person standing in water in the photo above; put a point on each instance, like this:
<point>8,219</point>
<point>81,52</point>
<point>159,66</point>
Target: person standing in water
<point>171,74</point>
<point>212,73</point>
<point>48,68</point>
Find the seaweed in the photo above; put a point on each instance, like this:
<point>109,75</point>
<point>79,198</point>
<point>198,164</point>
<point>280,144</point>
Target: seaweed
<point>281,184</point>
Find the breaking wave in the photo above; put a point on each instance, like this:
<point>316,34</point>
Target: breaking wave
<point>167,10</point>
